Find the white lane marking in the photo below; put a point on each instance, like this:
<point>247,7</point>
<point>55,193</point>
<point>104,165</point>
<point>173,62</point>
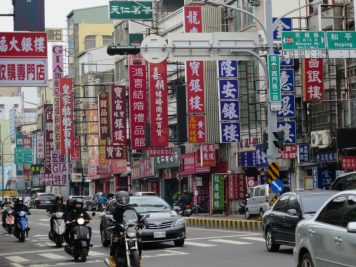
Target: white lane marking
<point>17,259</point>
<point>40,235</point>
<point>216,230</point>
<point>223,236</point>
<point>260,239</point>
<point>44,220</point>
<point>60,264</point>
<point>52,256</point>
<point>232,242</point>
<point>198,244</point>
<point>96,254</point>
<point>170,253</point>
<point>95,232</point>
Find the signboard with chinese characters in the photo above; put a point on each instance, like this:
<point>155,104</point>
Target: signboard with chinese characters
<point>193,19</point>
<point>76,151</point>
<point>103,106</point>
<point>168,161</point>
<point>229,132</point>
<point>27,142</point>
<point>348,163</point>
<point>58,168</point>
<point>138,106</point>
<point>261,157</point>
<point>158,104</point>
<point>283,25</point>
<point>240,185</point>
<point>289,129</point>
<point>325,156</point>
<point>341,44</point>
<point>48,136</point>
<point>274,80</point>
<point>155,152</point>
<point>187,164</point>
<point>195,86</point>
<point>40,145</point>
<point>218,191</point>
<point>196,129</point>
<point>130,10</point>
<point>313,79</point>
<point>227,69</point>
<point>289,152</point>
<point>247,159</point>
<point>54,34</point>
<point>23,156</point>
<point>207,155</point>
<point>115,151</point>
<point>66,116</point>
<point>57,73</point>
<point>118,114</point>
<point>147,167</point>
<point>303,153</point>
<point>287,81</point>
<point>103,160</point>
<point>288,107</point>
<point>229,110</point>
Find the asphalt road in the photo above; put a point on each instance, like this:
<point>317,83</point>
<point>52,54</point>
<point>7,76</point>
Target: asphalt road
<point>204,247</point>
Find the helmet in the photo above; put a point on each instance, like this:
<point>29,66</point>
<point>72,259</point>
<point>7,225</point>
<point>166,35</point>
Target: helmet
<point>59,198</point>
<point>70,202</point>
<point>78,203</point>
<point>7,200</point>
<point>20,201</point>
<point>122,198</point>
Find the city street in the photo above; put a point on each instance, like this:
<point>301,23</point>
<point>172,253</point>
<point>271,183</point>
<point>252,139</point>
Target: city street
<point>204,247</point>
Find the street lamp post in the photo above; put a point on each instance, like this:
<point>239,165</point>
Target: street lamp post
<point>2,143</point>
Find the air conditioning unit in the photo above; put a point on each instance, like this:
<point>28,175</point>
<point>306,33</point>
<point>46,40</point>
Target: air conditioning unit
<point>324,138</point>
<point>254,2</point>
<point>314,139</point>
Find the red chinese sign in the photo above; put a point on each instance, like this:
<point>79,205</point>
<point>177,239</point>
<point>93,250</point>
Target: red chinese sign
<point>158,104</point>
<point>146,167</point>
<point>102,153</point>
<point>208,156</point>
<point>115,151</point>
<point>193,19</point>
<point>103,100</point>
<point>231,189</point>
<point>313,79</point>
<point>196,129</point>
<point>290,152</point>
<point>195,86</point>
<point>138,106</point>
<point>76,152</point>
<point>66,116</point>
<point>48,137</point>
<point>27,142</point>
<point>348,163</point>
<point>240,185</point>
<point>187,164</point>
<point>158,152</point>
<point>118,114</point>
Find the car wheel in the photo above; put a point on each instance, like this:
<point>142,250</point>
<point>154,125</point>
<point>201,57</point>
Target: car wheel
<point>247,215</point>
<point>306,261</point>
<point>179,243</point>
<point>270,244</point>
<point>104,241</point>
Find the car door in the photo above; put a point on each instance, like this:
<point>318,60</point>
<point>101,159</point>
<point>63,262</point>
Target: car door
<point>321,233</point>
<point>277,215</point>
<point>290,220</point>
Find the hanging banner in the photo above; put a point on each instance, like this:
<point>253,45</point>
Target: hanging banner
<point>138,106</point>
<point>115,151</point>
<point>207,155</point>
<point>218,191</point>
<point>193,19</point>
<point>158,104</point>
<point>313,79</point>
<point>195,86</point>
<point>196,129</point>
<point>48,137</point>
<point>118,115</point>
<point>103,106</point>
<point>66,116</point>
<point>40,145</point>
<point>76,152</point>
<point>57,73</point>
<point>229,132</point>
<point>102,152</point>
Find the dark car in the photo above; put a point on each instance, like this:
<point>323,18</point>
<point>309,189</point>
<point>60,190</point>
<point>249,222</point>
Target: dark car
<point>346,181</point>
<point>43,200</point>
<point>161,224</point>
<point>279,223</point>
<point>92,203</point>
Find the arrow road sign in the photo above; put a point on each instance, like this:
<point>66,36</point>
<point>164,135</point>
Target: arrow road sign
<point>277,186</point>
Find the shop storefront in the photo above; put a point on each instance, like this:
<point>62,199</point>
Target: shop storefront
<point>143,177</point>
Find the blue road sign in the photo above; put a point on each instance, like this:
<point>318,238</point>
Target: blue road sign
<point>277,186</point>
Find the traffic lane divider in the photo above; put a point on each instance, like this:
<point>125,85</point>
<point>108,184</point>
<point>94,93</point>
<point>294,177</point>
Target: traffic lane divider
<point>226,224</point>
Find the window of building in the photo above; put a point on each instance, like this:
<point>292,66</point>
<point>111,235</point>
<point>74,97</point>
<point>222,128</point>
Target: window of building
<point>89,42</point>
<point>107,39</point>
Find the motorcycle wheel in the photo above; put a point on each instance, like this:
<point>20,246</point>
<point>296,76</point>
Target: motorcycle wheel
<point>59,241</point>
<point>85,252</point>
<point>135,259</point>
<point>22,236</point>
<point>10,229</point>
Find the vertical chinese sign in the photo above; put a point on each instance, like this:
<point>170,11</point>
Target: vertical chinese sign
<point>138,105</point>
<point>66,116</point>
<point>196,125</point>
<point>103,100</point>
<point>46,175</point>
<point>218,191</point>
<point>57,73</point>
<point>193,19</point>
<point>158,104</point>
<point>118,114</point>
<point>229,107</point>
<point>207,155</point>
<point>313,79</point>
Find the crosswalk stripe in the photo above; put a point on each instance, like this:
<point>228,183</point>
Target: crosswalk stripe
<point>198,244</point>
<point>17,259</point>
<point>233,242</point>
<point>52,256</point>
<point>95,254</point>
<point>260,239</point>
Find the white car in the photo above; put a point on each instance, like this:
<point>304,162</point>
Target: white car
<point>329,238</point>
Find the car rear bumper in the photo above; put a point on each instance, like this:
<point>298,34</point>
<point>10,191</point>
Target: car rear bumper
<point>172,234</point>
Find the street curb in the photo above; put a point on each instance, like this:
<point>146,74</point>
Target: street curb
<point>226,224</point>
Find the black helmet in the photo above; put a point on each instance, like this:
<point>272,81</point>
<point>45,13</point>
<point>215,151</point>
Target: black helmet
<point>70,202</point>
<point>122,198</point>
<point>59,198</point>
<point>78,202</point>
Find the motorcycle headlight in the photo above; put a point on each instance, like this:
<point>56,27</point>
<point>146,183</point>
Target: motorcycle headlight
<point>179,222</point>
<point>80,221</point>
<point>131,232</point>
<point>22,213</point>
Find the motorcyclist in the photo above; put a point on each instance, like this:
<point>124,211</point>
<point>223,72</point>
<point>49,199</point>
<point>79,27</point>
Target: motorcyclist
<point>7,204</point>
<point>122,205</point>
<point>58,206</point>
<point>20,206</point>
<point>69,210</point>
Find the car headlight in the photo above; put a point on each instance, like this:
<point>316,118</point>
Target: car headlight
<point>131,232</point>
<point>80,221</point>
<point>179,222</point>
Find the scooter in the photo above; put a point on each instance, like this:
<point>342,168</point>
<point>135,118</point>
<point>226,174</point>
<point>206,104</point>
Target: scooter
<point>79,239</point>
<point>21,229</point>
<point>59,227</point>
<point>184,210</point>
<point>9,220</point>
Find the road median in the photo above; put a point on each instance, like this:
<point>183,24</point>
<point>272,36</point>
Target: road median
<point>224,223</point>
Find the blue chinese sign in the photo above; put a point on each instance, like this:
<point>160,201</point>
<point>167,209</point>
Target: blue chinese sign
<point>289,129</point>
<point>325,156</point>
<point>304,155</point>
<point>227,69</point>
<point>261,157</point>
<point>229,132</point>
<point>283,25</point>
<point>228,89</point>
<point>285,62</point>
<point>288,107</point>
<point>247,159</point>
<point>287,81</point>
<point>323,178</point>
<point>229,110</point>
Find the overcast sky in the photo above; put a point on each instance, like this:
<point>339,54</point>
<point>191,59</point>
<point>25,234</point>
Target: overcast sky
<point>55,17</point>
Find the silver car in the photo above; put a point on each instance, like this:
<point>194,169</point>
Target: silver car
<point>329,238</point>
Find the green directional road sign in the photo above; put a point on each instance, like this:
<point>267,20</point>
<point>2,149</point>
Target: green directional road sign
<point>341,40</point>
<point>130,10</point>
<point>274,79</point>
<point>303,40</point>
<point>23,155</point>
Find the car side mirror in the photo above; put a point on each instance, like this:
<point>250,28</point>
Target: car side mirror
<point>351,227</point>
<point>292,212</point>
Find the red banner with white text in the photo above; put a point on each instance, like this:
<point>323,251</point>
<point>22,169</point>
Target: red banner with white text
<point>118,114</point>
<point>313,79</point>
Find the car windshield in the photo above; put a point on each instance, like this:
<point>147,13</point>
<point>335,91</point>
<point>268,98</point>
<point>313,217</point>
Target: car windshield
<point>312,203</point>
<point>46,197</point>
<point>347,182</point>
<point>149,204</point>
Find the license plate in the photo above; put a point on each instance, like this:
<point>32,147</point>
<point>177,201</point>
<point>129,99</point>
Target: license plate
<point>159,234</point>
<point>47,201</point>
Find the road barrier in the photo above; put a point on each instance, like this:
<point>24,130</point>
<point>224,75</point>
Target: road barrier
<point>226,224</point>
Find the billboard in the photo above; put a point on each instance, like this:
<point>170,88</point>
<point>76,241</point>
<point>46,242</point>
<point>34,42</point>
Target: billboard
<point>24,13</point>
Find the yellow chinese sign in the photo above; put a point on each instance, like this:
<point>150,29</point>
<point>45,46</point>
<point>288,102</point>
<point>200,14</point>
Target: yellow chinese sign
<point>54,34</point>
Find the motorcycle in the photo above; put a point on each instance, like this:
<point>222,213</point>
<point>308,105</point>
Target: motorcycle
<point>21,226</point>
<point>79,239</point>
<point>129,238</point>
<point>184,210</point>
<point>59,227</point>
<point>9,220</point>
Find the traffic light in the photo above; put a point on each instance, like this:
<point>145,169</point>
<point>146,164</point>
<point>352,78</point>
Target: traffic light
<point>122,50</point>
<point>279,142</point>
<point>265,141</point>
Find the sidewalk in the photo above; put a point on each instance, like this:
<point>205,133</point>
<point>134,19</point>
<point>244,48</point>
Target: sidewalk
<point>226,222</point>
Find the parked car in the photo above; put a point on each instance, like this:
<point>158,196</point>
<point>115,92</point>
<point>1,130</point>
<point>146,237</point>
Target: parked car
<point>80,197</point>
<point>257,201</point>
<point>145,194</point>
<point>329,238</point>
<point>280,221</point>
<point>43,200</point>
<point>346,181</point>
<point>92,202</point>
<point>162,224</point>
